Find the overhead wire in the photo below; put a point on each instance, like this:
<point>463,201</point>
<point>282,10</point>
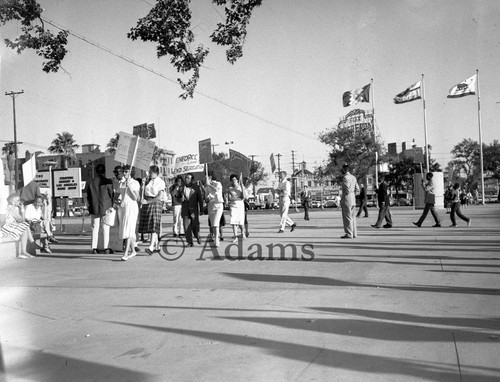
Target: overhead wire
<point>151,70</point>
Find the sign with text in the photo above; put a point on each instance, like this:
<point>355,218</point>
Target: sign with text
<point>125,148</point>
<point>127,152</point>
<point>239,162</point>
<point>67,183</point>
<point>144,154</point>
<point>187,163</point>
<point>42,178</point>
<point>205,148</point>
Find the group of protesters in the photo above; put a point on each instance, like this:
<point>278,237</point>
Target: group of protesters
<point>138,208</point>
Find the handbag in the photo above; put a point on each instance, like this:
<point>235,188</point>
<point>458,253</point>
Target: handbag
<point>110,217</point>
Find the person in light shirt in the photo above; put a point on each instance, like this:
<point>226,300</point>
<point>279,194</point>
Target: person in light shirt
<point>213,192</point>
<point>151,209</point>
<point>128,212</point>
<point>34,214</point>
<point>285,191</point>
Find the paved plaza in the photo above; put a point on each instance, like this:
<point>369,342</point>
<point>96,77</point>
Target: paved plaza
<point>400,304</point>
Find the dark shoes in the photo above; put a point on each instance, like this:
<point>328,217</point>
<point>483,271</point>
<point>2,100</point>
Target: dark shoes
<point>293,227</point>
<point>375,226</point>
<point>346,237</point>
<point>436,225</point>
<point>95,251</point>
<point>280,231</point>
<point>418,225</point>
<point>53,240</point>
<point>387,226</point>
<point>149,252</point>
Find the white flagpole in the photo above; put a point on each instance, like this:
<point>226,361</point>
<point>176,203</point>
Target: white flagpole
<point>480,136</point>
<point>425,128</point>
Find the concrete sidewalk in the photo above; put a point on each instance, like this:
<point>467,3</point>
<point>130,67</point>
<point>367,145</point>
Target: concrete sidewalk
<point>400,304</point>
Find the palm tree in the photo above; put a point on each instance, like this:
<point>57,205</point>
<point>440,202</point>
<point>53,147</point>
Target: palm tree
<point>64,144</point>
<point>112,144</point>
<point>8,150</point>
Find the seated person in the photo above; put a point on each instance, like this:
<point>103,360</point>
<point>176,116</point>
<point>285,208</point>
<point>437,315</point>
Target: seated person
<point>15,227</point>
<point>34,215</point>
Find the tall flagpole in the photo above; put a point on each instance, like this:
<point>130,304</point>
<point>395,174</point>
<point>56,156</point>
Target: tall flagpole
<point>480,136</point>
<point>425,128</point>
<point>374,132</point>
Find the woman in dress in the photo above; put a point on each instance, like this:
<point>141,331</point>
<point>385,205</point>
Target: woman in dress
<point>16,228</point>
<point>129,211</point>
<point>150,217</point>
<point>236,195</point>
<point>213,192</point>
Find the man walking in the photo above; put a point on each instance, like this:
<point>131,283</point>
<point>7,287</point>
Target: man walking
<point>363,200</point>
<point>285,190</point>
<point>99,192</point>
<point>383,204</point>
<point>430,200</point>
<point>348,203</point>
<point>305,197</point>
<point>192,208</point>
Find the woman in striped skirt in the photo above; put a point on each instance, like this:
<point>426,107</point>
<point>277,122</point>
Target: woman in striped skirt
<point>16,228</point>
<point>150,217</point>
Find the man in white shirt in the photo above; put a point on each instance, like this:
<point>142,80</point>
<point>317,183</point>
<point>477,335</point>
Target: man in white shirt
<point>285,190</point>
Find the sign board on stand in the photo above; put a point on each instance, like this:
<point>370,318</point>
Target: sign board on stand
<point>67,183</point>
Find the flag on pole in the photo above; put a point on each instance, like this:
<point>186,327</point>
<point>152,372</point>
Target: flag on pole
<point>466,87</point>
<point>273,163</point>
<point>352,97</point>
<point>413,93</point>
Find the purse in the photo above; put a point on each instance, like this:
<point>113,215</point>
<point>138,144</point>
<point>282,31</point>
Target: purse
<point>110,217</point>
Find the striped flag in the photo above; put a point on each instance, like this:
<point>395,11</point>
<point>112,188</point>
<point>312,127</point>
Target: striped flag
<point>466,87</point>
<point>352,97</point>
<point>413,93</point>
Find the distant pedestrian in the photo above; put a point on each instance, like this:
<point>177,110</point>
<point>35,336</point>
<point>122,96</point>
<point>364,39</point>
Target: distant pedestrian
<point>455,207</point>
<point>129,212</point>
<point>363,201</point>
<point>248,192</point>
<point>192,208</point>
<point>448,194</point>
<point>305,198</point>
<point>151,209</point>
<point>176,195</point>
<point>236,195</point>
<point>99,191</point>
<point>284,205</point>
<point>383,199</point>
<point>215,206</point>
<point>348,203</point>
<point>430,200</point>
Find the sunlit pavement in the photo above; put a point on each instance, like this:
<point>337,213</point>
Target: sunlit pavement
<point>400,304</point>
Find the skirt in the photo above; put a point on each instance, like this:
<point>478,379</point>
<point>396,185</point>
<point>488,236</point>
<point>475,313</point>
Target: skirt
<point>14,230</point>
<point>150,218</point>
<point>237,212</point>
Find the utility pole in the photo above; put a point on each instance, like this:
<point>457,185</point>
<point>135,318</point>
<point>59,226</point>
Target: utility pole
<point>13,95</point>
<point>293,178</point>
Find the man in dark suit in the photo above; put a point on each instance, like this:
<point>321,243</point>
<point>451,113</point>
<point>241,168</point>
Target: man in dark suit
<point>383,204</point>
<point>192,208</point>
<point>363,201</point>
<point>99,192</point>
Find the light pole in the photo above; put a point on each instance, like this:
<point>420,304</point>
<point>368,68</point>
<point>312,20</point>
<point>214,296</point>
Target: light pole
<point>13,95</point>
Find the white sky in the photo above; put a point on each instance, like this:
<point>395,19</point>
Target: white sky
<point>299,57</point>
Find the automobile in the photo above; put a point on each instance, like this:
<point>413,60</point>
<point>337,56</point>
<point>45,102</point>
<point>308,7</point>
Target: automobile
<point>167,206</point>
<point>59,211</point>
<point>330,203</point>
<point>80,211</point>
<point>404,202</point>
<point>316,203</point>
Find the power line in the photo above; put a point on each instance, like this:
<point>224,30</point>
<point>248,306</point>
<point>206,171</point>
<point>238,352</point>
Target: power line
<point>142,66</point>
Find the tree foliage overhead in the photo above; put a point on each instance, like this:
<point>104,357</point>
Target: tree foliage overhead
<point>34,35</point>
<point>168,25</point>
<point>354,147</point>
<point>465,161</point>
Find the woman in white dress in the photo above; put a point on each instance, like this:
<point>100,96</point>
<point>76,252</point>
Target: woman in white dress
<point>236,196</point>
<point>129,211</point>
<point>213,191</point>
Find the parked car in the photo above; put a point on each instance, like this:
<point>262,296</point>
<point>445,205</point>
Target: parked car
<point>330,203</point>
<point>80,211</point>
<point>404,202</point>
<point>316,203</point>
